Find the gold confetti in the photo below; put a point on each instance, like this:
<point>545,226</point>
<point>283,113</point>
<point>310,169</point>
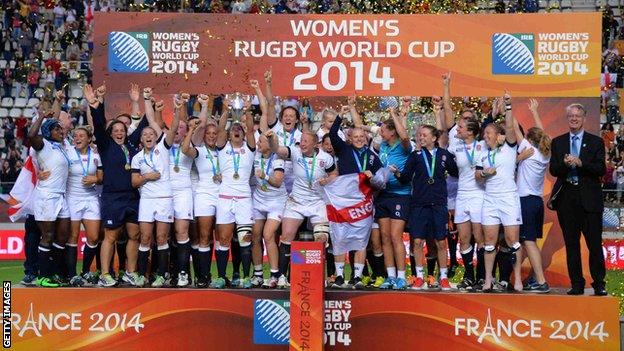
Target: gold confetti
<point>225,71</point>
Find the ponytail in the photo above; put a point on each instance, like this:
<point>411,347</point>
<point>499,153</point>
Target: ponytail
<point>540,140</point>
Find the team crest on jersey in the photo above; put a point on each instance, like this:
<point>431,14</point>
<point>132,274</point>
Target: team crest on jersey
<point>242,151</point>
<point>478,147</point>
<point>95,162</point>
<point>443,158</point>
<point>322,163</point>
<point>398,207</point>
<point>157,152</point>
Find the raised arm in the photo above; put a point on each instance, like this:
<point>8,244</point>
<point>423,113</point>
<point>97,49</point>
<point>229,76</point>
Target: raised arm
<point>186,147</point>
<point>177,106</point>
<point>205,101</point>
<point>449,118</point>
<point>357,119</point>
<point>186,97</point>
<point>271,115</point>
<point>135,95</point>
<point>510,135</point>
<point>250,136</point>
<point>59,96</point>
<point>149,111</point>
<point>400,129</point>
<point>221,130</point>
<point>337,143</point>
<point>36,140</point>
<point>533,105</point>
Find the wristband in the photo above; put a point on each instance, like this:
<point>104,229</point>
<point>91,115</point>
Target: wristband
<point>266,177</point>
<point>136,118</point>
<point>483,175</point>
<point>508,107</point>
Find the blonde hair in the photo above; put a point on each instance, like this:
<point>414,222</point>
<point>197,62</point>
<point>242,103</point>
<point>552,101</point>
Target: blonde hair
<point>540,139</point>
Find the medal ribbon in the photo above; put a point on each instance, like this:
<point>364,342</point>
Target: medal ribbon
<point>309,174</point>
<point>85,171</point>
<point>430,167</point>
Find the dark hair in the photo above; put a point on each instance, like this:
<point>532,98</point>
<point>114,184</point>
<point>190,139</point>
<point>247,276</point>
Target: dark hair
<point>607,126</point>
<point>497,128</point>
<point>434,131</point>
<point>473,126</point>
<point>109,129</point>
<point>325,136</point>
<point>289,107</point>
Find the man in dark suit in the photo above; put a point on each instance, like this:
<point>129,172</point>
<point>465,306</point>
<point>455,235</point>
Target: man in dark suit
<point>578,162</point>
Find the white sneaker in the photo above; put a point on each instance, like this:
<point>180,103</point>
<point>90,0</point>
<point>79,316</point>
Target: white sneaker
<point>183,279</point>
<point>282,282</point>
<point>256,281</point>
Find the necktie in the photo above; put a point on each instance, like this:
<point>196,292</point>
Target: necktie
<point>574,149</point>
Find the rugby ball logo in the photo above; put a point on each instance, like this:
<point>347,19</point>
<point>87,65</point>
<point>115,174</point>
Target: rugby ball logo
<point>128,52</point>
<point>271,322</point>
<point>513,53</point>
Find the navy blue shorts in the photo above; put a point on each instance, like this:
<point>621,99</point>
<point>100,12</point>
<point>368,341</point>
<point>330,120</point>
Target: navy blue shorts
<point>119,208</point>
<point>428,222</point>
<point>532,208</point>
<point>392,206</point>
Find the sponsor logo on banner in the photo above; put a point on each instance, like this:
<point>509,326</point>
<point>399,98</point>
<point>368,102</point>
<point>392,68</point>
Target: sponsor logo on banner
<point>306,257</point>
<point>271,322</point>
<point>513,53</point>
<point>128,52</point>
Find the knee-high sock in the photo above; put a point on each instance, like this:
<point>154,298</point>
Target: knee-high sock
<point>222,259</point>
<point>45,261</point>
<point>58,253</point>
<point>163,259</point>
<point>143,260</point>
<point>468,265</point>
<point>245,252</point>
<point>236,257</point>
<point>452,247</point>
<point>480,263</point>
<point>183,255</point>
<point>87,257</point>
<point>284,257</point>
<point>203,262</point>
<point>71,259</point>
<point>329,260</point>
<point>195,259</point>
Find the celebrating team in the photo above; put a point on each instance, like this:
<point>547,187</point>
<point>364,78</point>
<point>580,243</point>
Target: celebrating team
<point>205,188</point>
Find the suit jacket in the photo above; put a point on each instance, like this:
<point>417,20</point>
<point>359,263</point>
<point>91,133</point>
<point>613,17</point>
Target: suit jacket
<point>592,155</point>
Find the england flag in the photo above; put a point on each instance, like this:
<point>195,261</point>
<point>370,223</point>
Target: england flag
<point>349,202</point>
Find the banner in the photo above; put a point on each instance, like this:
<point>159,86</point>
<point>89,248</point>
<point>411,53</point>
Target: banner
<point>162,319</point>
<point>307,293</point>
<point>337,55</point>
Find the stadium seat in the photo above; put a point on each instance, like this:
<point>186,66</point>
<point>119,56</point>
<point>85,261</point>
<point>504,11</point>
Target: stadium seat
<point>20,102</point>
<point>567,10</point>
<point>552,4</point>
<point>7,102</point>
<point>39,92</point>
<point>32,102</point>
<point>3,64</point>
<point>601,3</point>
<point>615,3</point>
<point>566,4</point>
<point>4,113</point>
<point>29,112</point>
<point>15,112</point>
<point>543,4</point>
<point>75,93</point>
<point>11,64</point>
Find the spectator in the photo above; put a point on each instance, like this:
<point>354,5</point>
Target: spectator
<point>609,180</point>
<point>7,177</point>
<point>611,57</point>
<point>8,46</point>
<point>612,104</point>
<point>19,76</point>
<point>33,80</point>
<point>59,15</point>
<point>608,135</point>
<point>619,180</point>
<point>25,40</point>
<point>7,81</point>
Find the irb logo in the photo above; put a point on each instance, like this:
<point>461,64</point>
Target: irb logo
<point>513,53</point>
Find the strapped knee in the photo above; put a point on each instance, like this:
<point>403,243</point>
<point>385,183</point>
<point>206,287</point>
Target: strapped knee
<point>243,234</point>
<point>489,249</point>
<point>513,248</point>
<point>321,232</point>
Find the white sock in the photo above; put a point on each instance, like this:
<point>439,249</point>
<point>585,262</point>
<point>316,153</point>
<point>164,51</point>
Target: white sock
<point>401,274</point>
<point>391,272</point>
<point>359,268</point>
<point>420,272</point>
<point>339,268</point>
<point>443,274</point>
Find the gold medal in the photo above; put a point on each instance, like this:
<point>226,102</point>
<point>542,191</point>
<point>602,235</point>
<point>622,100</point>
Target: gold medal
<point>176,169</point>
<point>264,187</point>
<point>127,167</point>
<point>430,181</point>
<point>494,173</point>
<point>236,176</point>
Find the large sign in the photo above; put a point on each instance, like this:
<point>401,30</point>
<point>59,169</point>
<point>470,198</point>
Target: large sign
<point>323,55</point>
<point>159,319</point>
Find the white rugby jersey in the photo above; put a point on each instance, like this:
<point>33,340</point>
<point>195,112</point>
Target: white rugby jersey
<point>156,160</point>
<point>207,164</point>
<point>302,191</point>
<point>503,158</point>
<point>531,171</point>
<point>244,156</point>
<point>180,180</point>
<point>464,153</point>
<point>53,157</point>
<point>81,166</point>
<point>284,138</point>
<point>265,191</point>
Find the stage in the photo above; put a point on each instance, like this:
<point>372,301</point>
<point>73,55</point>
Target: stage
<point>233,319</point>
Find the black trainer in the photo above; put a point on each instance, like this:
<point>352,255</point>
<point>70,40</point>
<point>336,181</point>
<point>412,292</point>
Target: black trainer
<point>466,285</point>
<point>339,283</point>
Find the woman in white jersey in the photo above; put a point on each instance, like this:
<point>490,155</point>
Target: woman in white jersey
<point>533,159</point>
<point>84,203</point>
<point>150,173</point>
<point>269,198</point>
<point>501,204</point>
<point>236,149</point>
<point>311,168</point>
<point>469,199</point>
<point>206,195</point>
<point>50,207</point>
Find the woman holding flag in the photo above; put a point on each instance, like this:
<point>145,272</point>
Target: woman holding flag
<point>353,159</point>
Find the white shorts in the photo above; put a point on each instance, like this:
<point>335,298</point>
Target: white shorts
<point>468,208</point>
<point>271,209</point>
<point>451,203</point>
<point>159,209</point>
<point>501,209</point>
<point>183,204</point>
<point>375,225</point>
<point>87,208</point>
<point>47,207</point>
<point>234,210</point>
<point>205,205</point>
<point>315,211</point>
